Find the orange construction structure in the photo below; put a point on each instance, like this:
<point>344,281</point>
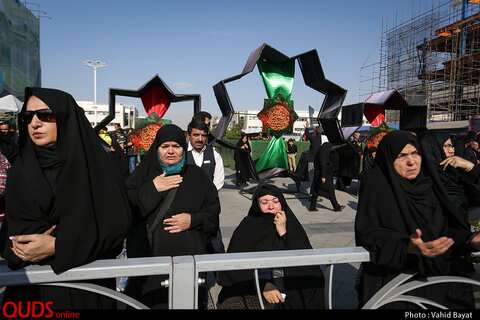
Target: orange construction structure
<point>432,59</point>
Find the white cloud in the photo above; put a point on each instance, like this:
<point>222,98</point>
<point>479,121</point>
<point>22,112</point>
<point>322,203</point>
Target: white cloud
<point>182,85</point>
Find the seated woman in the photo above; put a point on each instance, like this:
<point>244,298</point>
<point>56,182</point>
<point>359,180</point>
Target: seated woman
<point>65,203</point>
<point>271,225</point>
<point>189,220</point>
<point>407,223</point>
<point>460,177</point>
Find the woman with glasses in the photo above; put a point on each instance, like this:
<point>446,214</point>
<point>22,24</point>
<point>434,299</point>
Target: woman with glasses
<point>65,204</point>
<point>271,225</point>
<point>460,177</point>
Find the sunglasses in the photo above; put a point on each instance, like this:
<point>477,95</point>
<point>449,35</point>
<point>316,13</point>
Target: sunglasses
<point>44,115</point>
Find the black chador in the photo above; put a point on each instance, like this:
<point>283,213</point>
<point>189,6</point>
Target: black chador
<point>390,209</point>
<point>73,186</point>
<point>462,187</point>
<point>326,163</point>
<point>256,232</point>
<point>196,195</point>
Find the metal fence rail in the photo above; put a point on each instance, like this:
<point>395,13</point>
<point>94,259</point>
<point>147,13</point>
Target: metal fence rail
<point>288,258</point>
<point>183,273</point>
<point>100,269</point>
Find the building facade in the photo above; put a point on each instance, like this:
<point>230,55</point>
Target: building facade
<point>124,114</point>
<point>19,49</point>
<point>252,124</point>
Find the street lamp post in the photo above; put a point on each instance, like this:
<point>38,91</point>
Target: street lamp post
<point>95,65</point>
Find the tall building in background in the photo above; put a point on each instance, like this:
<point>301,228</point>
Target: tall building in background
<point>432,59</point>
<point>19,49</point>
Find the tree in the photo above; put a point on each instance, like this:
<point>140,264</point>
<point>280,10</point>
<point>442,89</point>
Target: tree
<point>234,132</point>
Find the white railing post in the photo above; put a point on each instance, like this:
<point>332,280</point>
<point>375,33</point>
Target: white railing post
<point>183,274</point>
<point>328,286</point>
<point>183,291</point>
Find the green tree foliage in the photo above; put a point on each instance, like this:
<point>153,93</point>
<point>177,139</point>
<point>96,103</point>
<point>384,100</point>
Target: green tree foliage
<point>233,132</point>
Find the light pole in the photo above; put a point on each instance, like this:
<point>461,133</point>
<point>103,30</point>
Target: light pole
<point>95,65</point>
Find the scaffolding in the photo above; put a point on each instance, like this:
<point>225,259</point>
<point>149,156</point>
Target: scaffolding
<point>432,59</point>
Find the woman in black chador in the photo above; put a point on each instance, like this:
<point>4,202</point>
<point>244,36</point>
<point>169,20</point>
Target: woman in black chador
<point>407,223</point>
<point>189,220</point>
<point>271,225</point>
<point>243,145</point>
<point>326,163</point>
<point>460,177</point>
<point>65,203</point>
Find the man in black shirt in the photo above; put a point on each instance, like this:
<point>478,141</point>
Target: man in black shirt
<point>292,154</point>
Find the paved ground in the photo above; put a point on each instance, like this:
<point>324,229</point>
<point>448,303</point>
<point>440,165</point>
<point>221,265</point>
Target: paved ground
<point>325,228</point>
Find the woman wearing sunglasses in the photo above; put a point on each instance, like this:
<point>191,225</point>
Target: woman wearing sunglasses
<point>63,195</point>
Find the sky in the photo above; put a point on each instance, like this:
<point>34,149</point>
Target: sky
<point>194,44</point>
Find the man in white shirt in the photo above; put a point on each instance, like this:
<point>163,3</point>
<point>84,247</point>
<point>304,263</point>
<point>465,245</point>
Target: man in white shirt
<point>203,155</point>
<point>206,157</point>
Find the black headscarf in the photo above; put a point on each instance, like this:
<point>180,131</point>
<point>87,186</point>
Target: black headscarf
<point>257,232</point>
<point>8,146</point>
<point>73,186</point>
<point>150,166</point>
<point>170,132</point>
<point>144,204</point>
<point>391,208</point>
<point>432,144</point>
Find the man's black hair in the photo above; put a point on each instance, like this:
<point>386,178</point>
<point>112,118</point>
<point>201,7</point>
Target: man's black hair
<point>197,124</point>
<point>201,115</point>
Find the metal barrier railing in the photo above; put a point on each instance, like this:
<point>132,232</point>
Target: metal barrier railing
<point>288,258</point>
<point>100,269</point>
<point>183,273</point>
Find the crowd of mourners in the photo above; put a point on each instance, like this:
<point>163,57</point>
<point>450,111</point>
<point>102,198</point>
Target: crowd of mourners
<point>73,197</point>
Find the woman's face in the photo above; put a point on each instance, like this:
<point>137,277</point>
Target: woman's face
<point>408,162</point>
<point>244,139</point>
<point>269,204</point>
<point>448,148</point>
<point>170,153</point>
<point>42,133</point>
